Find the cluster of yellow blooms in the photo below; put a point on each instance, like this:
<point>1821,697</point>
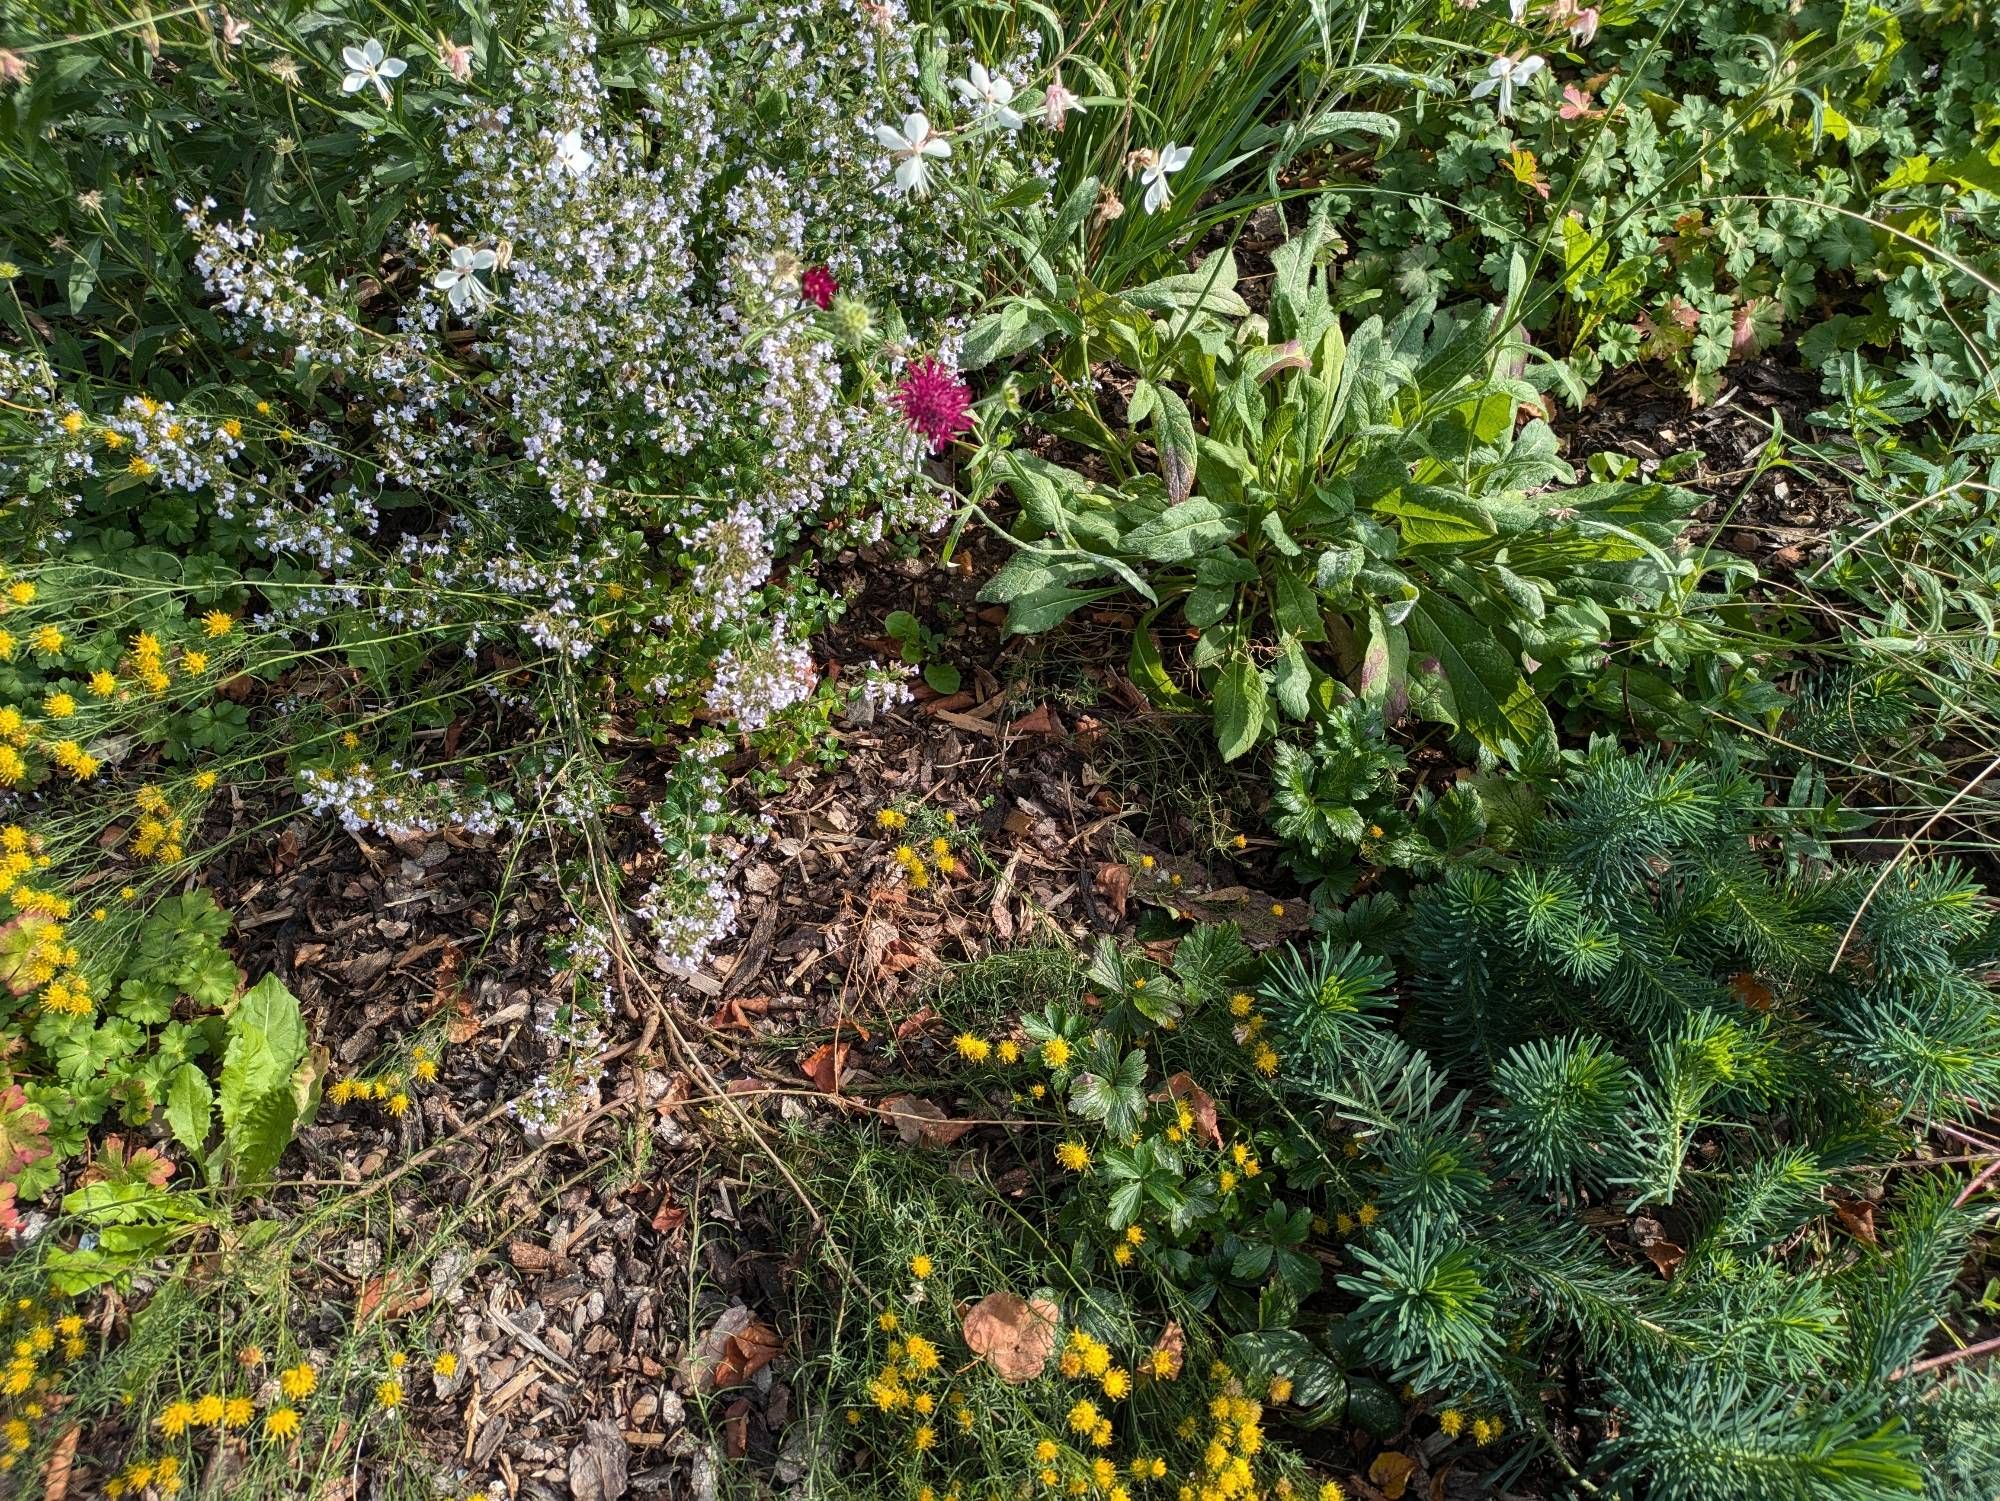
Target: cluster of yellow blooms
<point>145,666</point>
<point>1484,1430</point>
<point>389,1089</point>
<point>38,1347</point>
<point>935,855</point>
<point>1250,1024</point>
<point>48,958</point>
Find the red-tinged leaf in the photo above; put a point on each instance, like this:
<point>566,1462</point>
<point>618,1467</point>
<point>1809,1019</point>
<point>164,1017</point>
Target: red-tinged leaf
<point>1857,1217</point>
<point>1751,991</point>
<point>824,1065</point>
<point>1040,720</point>
<point>669,1217</point>
<point>1114,885</point>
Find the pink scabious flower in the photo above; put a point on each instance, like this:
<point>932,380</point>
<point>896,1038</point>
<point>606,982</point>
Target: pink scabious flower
<point>817,286</point>
<point>934,401</point>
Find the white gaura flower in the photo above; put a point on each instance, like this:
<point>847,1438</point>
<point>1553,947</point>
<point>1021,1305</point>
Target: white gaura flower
<point>459,280</point>
<point>912,146</point>
<point>570,155</point>
<point>1583,26</point>
<point>1518,9</point>
<point>1156,167</point>
<point>990,96</point>
<point>366,65</point>
<point>1506,74</point>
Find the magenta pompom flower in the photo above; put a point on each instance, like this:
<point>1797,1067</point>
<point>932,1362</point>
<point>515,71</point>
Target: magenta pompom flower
<point>817,286</point>
<point>934,401</point>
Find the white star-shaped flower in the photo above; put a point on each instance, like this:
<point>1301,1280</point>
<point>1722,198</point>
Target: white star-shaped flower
<point>366,64</point>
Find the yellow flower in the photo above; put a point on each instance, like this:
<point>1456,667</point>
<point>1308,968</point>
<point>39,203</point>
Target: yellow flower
<point>1083,1416</point>
<point>281,1423</point>
<point>889,820</point>
<point>924,1438</point>
<point>6,646</point>
<point>1073,1155</point>
<point>1009,1051</point>
<point>426,1071</point>
<point>103,683</point>
<point>1226,1180</point>
<point>208,1411</point>
<point>59,706</point>
<point>1122,1254</point>
<point>72,423</point>
<point>1330,1490</point>
<point>446,1365</point>
<point>1485,1430</point>
<point>232,427</point>
<point>204,781</point>
<point>1103,1472</point>
<point>299,1381</point>
<point>399,1103</point>
<point>1055,1052</point>
<point>47,640</point>
<point>12,767</point>
<point>237,1412</point>
<point>195,661</point>
<point>1368,1214</point>
<point>921,1353</point>
<point>921,1266</point>
<point>1134,1235</point>
<point>1280,1389</point>
<point>1240,1004</point>
<point>1117,1383</point>
<point>1265,1059</point>
<point>22,593</point>
<point>398,1361</point>
<point>216,624</point>
<point>1046,1451</point>
<point>888,1321</point>
<point>1451,1422</point>
<point>972,1049</point>
<point>925,1404</point>
<point>143,468</point>
<point>388,1395</point>
<point>1277,909</point>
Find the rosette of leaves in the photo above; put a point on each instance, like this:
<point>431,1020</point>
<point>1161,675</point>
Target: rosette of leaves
<point>1379,513</point>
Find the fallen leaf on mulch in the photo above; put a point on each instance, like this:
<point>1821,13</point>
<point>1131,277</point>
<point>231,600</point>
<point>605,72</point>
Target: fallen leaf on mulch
<point>597,1466</point>
<point>1040,720</point>
<point>1114,884</point>
<point>1858,1216</point>
<point>920,1123</point>
<point>736,1428</point>
<point>669,1217</point>
<point>55,1483</point>
<point>1174,1343</point>
<point>734,1014</point>
<point>824,1065</point>
<point>1014,1335</point>
<point>1390,1473</point>
<point>910,1026</point>
<point>392,1295</point>
<point>737,1347</point>
<point>1201,1103</point>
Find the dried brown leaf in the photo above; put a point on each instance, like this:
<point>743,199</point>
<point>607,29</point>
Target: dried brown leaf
<point>1014,1335</point>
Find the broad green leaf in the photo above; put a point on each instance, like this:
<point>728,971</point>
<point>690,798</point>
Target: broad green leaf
<point>1429,516</point>
<point>1181,532</point>
<point>1242,707</point>
<point>1481,686</point>
<point>190,1102</point>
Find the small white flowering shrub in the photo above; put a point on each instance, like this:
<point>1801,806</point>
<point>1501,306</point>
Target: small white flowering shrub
<point>498,377</point>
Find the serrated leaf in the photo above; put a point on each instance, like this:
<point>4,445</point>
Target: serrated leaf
<point>190,1104</point>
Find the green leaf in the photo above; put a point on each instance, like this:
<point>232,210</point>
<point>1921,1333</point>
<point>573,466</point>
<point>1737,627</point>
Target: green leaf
<point>1181,532</point>
<point>1433,517</point>
<point>1209,288</point>
<point>1482,688</point>
<point>1242,707</point>
<point>1042,609</point>
<point>262,1089</point>
<point>1291,678</point>
<point>190,1103</point>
